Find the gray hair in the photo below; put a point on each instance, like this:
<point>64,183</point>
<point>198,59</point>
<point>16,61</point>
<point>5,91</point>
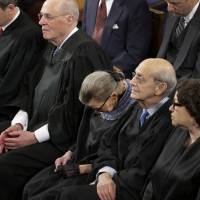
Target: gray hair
<point>98,85</point>
<point>5,3</point>
<point>71,7</point>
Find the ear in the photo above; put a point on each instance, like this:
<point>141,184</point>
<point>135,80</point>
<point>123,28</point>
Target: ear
<point>70,19</point>
<point>160,88</point>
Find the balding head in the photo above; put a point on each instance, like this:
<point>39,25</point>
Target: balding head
<point>58,19</point>
<point>66,6</point>
<point>160,70</point>
<point>181,7</point>
<point>154,79</point>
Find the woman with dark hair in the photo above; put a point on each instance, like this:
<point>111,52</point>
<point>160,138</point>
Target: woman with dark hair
<point>106,95</point>
<point>176,174</point>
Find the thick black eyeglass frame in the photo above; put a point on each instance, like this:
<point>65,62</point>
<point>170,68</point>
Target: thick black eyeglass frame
<point>176,104</point>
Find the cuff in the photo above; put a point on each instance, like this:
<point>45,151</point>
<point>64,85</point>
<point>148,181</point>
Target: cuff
<point>42,134</point>
<point>107,169</point>
<point>22,118</point>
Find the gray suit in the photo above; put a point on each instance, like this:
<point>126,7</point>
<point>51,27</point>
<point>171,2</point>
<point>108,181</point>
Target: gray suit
<point>187,59</point>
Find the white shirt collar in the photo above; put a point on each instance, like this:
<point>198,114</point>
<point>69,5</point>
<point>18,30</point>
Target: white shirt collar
<point>156,107</point>
<point>14,18</point>
<point>108,5</point>
<point>72,32</point>
<point>191,14</point>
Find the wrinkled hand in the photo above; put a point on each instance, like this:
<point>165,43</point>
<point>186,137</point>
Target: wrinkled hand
<point>85,168</point>
<point>63,159</point>
<point>106,188</point>
<point>17,139</point>
<point>15,127</point>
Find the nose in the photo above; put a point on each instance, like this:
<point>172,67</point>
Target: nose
<point>42,21</point>
<point>133,81</point>
<point>171,108</point>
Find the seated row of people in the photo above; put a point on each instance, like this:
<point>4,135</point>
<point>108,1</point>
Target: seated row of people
<point>47,124</point>
<point>48,106</point>
<point>127,158</point>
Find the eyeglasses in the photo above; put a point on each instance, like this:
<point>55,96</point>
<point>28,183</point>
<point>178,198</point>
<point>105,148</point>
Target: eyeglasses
<point>141,79</point>
<point>176,104</point>
<point>100,107</point>
<point>48,17</point>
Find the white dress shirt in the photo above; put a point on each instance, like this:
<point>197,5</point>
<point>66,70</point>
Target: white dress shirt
<point>108,5</point>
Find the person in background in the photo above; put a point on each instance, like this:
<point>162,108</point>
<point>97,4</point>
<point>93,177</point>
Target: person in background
<point>181,40</point>
<point>122,28</point>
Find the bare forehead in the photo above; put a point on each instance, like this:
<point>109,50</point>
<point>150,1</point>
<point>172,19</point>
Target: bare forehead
<point>50,6</point>
<point>145,70</point>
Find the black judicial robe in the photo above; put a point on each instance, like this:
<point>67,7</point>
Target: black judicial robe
<point>21,45</point>
<point>176,174</point>
<point>56,102</point>
<point>92,129</point>
<point>131,150</point>
<point>136,150</point>
<point>58,106</point>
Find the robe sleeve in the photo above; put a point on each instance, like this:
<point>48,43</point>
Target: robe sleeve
<point>20,68</point>
<point>134,176</point>
<point>198,195</point>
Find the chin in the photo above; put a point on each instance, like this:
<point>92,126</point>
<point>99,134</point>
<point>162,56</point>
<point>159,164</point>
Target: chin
<point>134,95</point>
<point>174,123</point>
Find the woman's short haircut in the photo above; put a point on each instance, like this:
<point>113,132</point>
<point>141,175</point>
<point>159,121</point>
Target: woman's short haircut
<point>99,85</point>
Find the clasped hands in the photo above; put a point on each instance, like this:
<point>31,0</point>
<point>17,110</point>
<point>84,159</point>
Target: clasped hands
<point>14,137</point>
<point>67,168</point>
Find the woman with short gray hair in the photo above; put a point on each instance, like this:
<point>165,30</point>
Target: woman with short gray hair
<point>106,95</point>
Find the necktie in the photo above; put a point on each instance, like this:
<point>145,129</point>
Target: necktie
<point>100,21</point>
<point>143,117</point>
<point>180,27</point>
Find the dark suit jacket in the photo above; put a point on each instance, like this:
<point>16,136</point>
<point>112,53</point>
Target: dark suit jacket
<point>187,62</point>
<point>127,33</point>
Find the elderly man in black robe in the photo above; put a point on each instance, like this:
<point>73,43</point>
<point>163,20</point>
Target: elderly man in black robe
<point>54,114</point>
<point>21,44</point>
<point>126,157</point>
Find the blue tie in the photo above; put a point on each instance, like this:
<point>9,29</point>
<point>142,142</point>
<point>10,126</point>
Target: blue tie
<point>143,117</point>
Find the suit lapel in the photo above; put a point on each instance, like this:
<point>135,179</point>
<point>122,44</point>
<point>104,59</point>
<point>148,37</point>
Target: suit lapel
<point>114,14</point>
<point>166,40</point>
<point>92,9</point>
<point>193,29</point>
